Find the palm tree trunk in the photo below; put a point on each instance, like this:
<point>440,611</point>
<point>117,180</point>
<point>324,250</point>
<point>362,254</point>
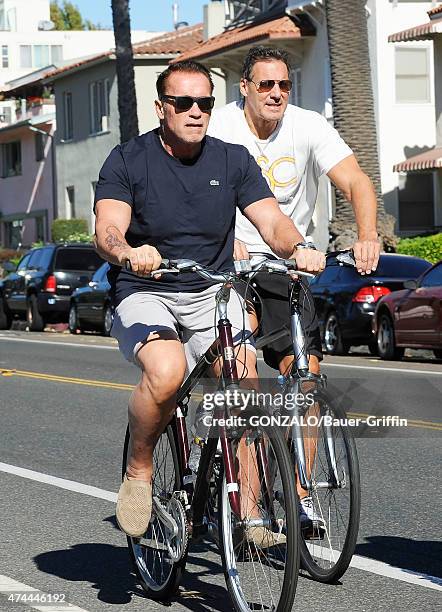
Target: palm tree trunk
<point>127,100</point>
<point>353,111</point>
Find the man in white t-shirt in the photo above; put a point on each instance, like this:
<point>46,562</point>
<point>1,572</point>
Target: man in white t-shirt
<point>293,147</point>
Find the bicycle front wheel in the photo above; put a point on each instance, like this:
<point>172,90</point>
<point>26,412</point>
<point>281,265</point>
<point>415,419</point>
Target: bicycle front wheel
<point>157,570</point>
<point>260,548</point>
<point>328,541</point>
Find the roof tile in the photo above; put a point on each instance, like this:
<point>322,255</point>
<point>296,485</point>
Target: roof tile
<point>276,29</point>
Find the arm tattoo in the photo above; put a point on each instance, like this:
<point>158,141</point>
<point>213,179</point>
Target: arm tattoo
<point>112,241</point>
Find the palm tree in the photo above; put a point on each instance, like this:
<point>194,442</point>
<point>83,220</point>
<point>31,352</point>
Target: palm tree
<point>127,100</point>
<point>353,111</point>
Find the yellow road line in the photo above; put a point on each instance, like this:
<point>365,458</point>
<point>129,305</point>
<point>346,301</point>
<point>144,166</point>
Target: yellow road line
<point>67,379</point>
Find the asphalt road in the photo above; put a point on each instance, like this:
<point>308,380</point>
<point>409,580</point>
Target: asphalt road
<point>64,541</point>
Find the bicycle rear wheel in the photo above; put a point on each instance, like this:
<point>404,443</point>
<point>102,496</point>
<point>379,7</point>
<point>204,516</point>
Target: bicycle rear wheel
<point>158,573</point>
<point>261,575</point>
<point>327,546</point>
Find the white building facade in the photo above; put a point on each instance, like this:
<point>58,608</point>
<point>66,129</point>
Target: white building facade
<point>27,45</point>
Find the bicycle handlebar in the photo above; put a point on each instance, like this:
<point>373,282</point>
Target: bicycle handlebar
<point>244,267</point>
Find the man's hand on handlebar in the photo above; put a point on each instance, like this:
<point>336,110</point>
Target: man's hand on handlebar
<point>309,260</point>
<point>143,260</point>
<point>366,254</point>
<point>240,251</point>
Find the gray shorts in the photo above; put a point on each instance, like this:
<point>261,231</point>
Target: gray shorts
<point>190,315</point>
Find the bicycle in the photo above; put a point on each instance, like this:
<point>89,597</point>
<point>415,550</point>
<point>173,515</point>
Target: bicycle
<point>223,499</point>
<point>323,450</point>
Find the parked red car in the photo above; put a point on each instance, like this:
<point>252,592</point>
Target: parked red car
<point>411,317</point>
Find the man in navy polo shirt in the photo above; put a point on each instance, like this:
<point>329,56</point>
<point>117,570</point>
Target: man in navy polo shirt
<point>173,193</point>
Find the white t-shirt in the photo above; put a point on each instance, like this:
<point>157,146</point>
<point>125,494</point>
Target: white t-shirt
<point>302,148</point>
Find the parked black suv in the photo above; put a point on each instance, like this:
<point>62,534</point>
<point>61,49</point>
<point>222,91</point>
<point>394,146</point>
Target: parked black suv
<point>345,301</point>
<point>41,286</point>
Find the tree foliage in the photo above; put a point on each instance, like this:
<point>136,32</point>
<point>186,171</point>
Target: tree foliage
<point>68,17</point>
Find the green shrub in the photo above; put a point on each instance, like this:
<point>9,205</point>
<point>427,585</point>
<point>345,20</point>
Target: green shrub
<point>62,230</point>
<point>427,247</point>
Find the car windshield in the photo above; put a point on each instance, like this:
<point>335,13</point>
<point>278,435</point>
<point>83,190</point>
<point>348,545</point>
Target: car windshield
<point>77,259</point>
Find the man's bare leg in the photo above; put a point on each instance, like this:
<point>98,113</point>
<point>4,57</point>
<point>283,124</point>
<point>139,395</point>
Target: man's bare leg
<point>311,432</point>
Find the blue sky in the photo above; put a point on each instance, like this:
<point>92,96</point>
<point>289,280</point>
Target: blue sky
<point>152,15</point>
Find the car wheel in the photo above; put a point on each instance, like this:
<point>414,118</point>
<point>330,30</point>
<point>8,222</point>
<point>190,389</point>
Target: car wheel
<point>437,353</point>
<point>5,317</point>
<point>334,343</point>
<point>373,348</point>
<point>35,320</point>
<point>107,320</point>
<point>73,320</point>
<point>387,348</point>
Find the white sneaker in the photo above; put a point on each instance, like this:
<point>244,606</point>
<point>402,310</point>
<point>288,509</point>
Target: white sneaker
<point>308,516</point>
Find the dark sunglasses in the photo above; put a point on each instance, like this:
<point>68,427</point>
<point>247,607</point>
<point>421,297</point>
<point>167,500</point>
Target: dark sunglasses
<point>185,103</point>
<point>268,84</point>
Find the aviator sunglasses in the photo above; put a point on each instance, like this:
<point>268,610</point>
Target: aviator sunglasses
<point>267,85</point>
<point>185,103</point>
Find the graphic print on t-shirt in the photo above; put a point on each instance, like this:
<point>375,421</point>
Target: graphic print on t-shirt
<point>281,176</point>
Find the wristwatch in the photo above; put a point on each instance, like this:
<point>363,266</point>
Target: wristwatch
<point>306,245</point>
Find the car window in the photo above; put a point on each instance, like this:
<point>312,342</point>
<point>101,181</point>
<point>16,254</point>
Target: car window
<point>36,257</point>
<point>24,262</point>
<point>330,275</point>
<point>433,278</point>
<point>401,267</point>
<point>78,259</point>
<point>45,258</point>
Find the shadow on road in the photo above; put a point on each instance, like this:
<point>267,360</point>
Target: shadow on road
<point>415,556</point>
<point>108,570</point>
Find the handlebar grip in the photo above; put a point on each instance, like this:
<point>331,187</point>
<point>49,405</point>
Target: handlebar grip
<point>165,264</point>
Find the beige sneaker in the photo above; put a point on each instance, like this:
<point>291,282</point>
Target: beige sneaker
<point>262,537</point>
<point>134,507</point>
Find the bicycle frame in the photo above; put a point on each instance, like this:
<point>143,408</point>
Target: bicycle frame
<point>222,347</point>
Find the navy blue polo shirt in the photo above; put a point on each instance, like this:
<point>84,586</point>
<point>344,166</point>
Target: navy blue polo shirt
<point>184,210</point>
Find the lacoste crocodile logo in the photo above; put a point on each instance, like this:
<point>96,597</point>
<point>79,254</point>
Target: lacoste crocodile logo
<point>214,182</point>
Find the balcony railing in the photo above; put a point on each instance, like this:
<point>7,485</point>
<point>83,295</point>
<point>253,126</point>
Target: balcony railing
<point>243,11</point>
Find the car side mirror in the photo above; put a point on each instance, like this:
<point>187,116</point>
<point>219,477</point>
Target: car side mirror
<point>410,284</point>
<point>8,266</point>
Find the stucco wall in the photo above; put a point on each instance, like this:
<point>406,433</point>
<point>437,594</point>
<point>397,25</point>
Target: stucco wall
<point>403,129</point>
<point>29,193</point>
<point>79,161</point>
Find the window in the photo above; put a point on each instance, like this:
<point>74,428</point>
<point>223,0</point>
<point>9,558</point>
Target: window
<point>41,56</point>
<point>329,276</point>
<point>40,144</point>
<point>78,259</point>
<point>400,266</point>
<point>416,203</point>
<point>99,105</point>
<point>412,75</point>
<point>23,265</point>
<point>433,278</point>
<point>13,233</point>
<point>70,202</point>
<point>6,114</point>
<point>5,56</point>
<point>25,56</point>
<point>295,94</point>
<point>11,159</point>
<point>40,231</point>
<point>68,124</point>
<point>56,53</point>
